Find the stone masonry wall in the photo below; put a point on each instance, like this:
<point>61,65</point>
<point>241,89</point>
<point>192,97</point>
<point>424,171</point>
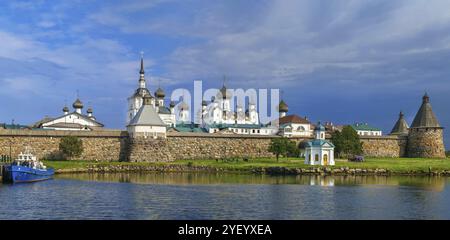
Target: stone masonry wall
<point>384,146</point>
<point>99,145</point>
<point>426,143</point>
<point>198,146</point>
<point>115,145</point>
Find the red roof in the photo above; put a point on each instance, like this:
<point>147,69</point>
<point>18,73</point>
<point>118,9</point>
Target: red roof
<point>293,119</point>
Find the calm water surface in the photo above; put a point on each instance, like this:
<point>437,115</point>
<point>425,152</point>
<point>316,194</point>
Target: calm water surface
<point>226,196</point>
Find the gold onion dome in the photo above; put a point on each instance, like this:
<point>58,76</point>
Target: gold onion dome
<point>77,104</point>
<point>160,93</point>
<point>283,107</point>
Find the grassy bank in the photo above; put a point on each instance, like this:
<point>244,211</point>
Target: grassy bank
<point>401,165</point>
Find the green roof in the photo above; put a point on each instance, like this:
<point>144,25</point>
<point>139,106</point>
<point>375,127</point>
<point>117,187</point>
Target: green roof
<point>13,126</point>
<point>364,127</point>
<point>318,143</point>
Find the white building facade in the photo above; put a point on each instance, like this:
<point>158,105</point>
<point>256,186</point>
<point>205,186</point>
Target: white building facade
<point>135,101</point>
<point>147,123</point>
<point>71,121</point>
<point>319,151</point>
<point>364,129</point>
<point>219,111</point>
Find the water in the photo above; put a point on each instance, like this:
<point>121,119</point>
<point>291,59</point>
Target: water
<point>226,196</point>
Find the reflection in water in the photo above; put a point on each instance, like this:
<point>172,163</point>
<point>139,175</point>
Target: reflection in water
<point>425,182</point>
<point>226,196</point>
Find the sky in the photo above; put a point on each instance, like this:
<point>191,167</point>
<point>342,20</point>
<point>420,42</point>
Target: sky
<point>341,61</point>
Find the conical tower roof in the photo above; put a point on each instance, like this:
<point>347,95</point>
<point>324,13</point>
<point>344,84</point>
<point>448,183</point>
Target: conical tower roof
<point>401,126</point>
<point>425,117</point>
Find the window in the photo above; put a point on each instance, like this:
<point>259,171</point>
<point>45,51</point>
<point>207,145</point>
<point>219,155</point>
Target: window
<point>301,128</point>
<point>316,158</point>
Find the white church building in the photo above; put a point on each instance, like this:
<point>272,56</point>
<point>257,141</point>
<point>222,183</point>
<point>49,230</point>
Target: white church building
<point>319,151</point>
<point>146,122</point>
<point>135,101</point>
<point>71,121</point>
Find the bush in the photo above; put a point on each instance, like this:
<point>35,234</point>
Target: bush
<point>447,153</point>
<point>283,146</point>
<point>71,147</point>
<point>346,143</point>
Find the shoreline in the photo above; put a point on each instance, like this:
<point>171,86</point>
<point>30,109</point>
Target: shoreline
<point>179,168</point>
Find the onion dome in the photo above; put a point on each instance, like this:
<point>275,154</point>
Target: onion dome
<point>425,117</point>
<point>172,104</point>
<point>89,111</point>
<point>77,104</point>
<point>65,109</point>
<point>160,93</point>
<point>319,127</point>
<point>283,107</point>
<point>401,126</point>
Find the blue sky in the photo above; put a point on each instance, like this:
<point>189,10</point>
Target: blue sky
<point>340,61</point>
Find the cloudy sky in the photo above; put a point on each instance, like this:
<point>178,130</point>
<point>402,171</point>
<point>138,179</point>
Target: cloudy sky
<point>340,61</point>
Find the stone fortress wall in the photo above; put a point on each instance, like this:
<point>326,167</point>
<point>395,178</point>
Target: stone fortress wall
<point>424,142</point>
<point>98,145</point>
<point>115,145</point>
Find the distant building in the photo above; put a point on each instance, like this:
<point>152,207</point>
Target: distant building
<point>71,121</point>
<point>319,151</point>
<point>248,129</point>
<point>13,126</point>
<point>146,122</point>
<point>364,129</point>
<point>295,126</point>
<point>218,117</point>
<point>219,111</point>
<point>135,101</point>
<point>401,126</point>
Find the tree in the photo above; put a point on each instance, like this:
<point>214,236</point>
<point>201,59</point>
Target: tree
<point>71,146</point>
<point>346,142</point>
<point>283,146</point>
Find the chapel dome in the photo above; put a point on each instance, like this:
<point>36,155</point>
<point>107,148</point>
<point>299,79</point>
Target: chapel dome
<point>77,104</point>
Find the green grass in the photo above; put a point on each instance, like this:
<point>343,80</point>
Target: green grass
<point>393,164</point>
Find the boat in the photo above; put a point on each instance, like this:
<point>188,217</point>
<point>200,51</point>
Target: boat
<point>26,168</point>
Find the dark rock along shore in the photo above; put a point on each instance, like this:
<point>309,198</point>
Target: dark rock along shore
<point>256,170</point>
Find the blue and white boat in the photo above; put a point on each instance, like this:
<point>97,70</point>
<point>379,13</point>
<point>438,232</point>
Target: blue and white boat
<point>26,168</point>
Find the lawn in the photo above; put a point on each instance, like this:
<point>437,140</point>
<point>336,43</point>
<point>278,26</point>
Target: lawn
<point>393,164</point>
